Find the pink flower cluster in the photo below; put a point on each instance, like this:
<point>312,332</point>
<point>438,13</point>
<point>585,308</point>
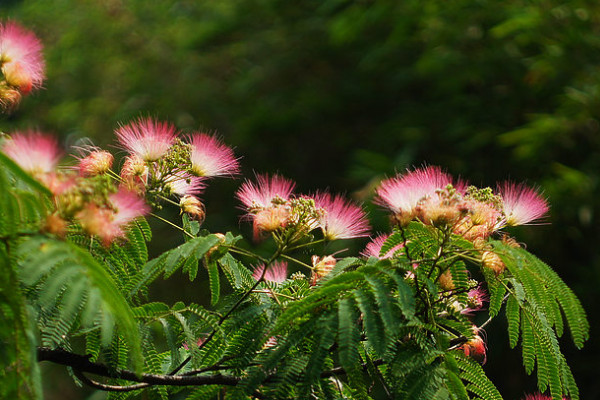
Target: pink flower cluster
<point>21,63</point>
<point>434,197</point>
<point>90,196</point>
<point>271,207</point>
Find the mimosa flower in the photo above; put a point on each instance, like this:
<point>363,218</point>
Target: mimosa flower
<point>373,248</point>
<point>21,57</point>
<point>35,152</point>
<point>475,299</point>
<point>277,272</point>
<point>147,138</point>
<point>108,223</point>
<point>341,219</point>
<point>539,396</point>
<point>475,347</point>
<point>97,162</point>
<point>185,185</point>
<point>210,157</point>
<point>402,193</point>
<point>521,204</point>
<point>267,190</point>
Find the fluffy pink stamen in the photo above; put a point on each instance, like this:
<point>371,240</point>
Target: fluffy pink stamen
<point>402,193</point>
<point>185,184</point>
<point>373,248</point>
<point>35,152</point>
<point>521,204</point>
<point>341,219</point>
<point>277,272</point>
<point>21,57</point>
<point>147,138</point>
<point>266,189</point>
<point>128,206</point>
<point>210,157</point>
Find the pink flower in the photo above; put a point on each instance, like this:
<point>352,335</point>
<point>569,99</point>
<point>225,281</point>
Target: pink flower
<point>277,272</point>
<point>475,299</point>
<point>185,184</point>
<point>521,204</point>
<point>268,189</point>
<point>341,219</point>
<point>35,152</point>
<point>402,193</point>
<point>147,138</point>
<point>21,57</point>
<point>96,162</point>
<point>108,222</point>
<point>373,248</point>
<point>210,157</point>
<point>475,347</point>
<point>539,396</point>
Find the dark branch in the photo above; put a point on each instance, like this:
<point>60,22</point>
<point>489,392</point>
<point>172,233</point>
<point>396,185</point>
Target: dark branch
<point>83,364</point>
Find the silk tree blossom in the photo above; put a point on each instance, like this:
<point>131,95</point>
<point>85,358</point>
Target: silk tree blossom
<point>475,347</point>
<point>373,248</point>
<point>94,161</point>
<point>521,204</point>
<point>35,152</point>
<point>21,57</point>
<point>341,219</point>
<point>266,192</point>
<point>147,138</point>
<point>276,272</point>
<point>475,299</point>
<point>184,184</point>
<point>402,193</point>
<point>108,223</point>
<point>539,396</point>
<point>210,157</point>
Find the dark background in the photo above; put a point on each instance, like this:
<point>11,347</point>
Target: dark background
<point>339,94</point>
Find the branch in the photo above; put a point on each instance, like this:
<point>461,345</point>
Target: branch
<point>83,364</point>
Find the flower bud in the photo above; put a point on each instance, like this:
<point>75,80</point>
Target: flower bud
<point>446,282</point>
<point>271,219</point>
<point>193,207</point>
<point>134,174</point>
<point>55,225</point>
<point>96,163</point>
<point>322,266</point>
<point>492,261</point>
<point>9,98</point>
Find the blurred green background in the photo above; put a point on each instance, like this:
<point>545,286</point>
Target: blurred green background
<point>339,94</point>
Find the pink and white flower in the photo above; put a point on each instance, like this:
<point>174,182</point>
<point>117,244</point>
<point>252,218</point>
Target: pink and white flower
<point>276,272</point>
<point>21,57</point>
<point>95,162</point>
<point>266,191</point>
<point>521,204</point>
<point>147,138</point>
<point>210,157</point>
<point>108,223</point>
<point>185,184</point>
<point>402,193</point>
<point>373,248</point>
<point>34,152</point>
<point>341,219</point>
